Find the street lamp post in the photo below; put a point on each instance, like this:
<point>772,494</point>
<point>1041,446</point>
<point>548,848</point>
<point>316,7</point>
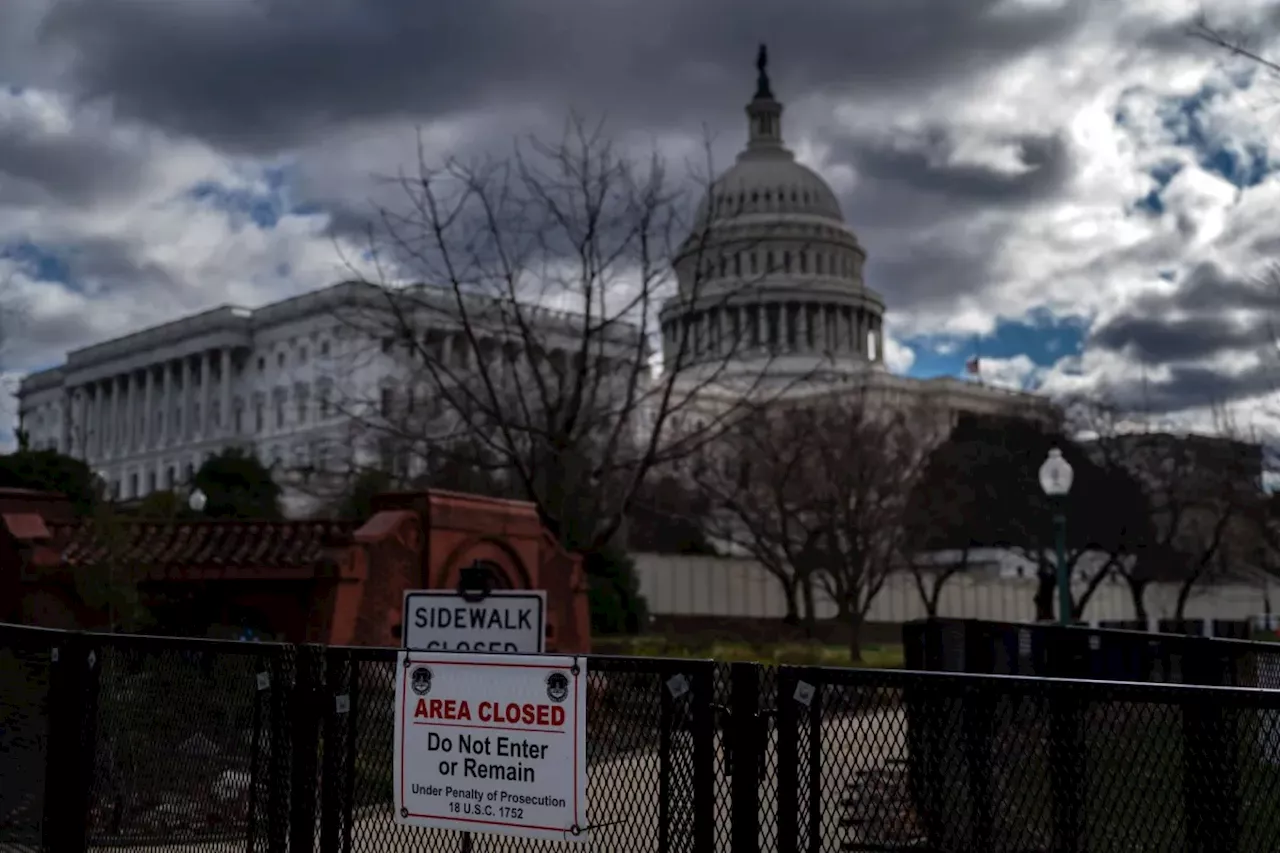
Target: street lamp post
<point>1055,480</point>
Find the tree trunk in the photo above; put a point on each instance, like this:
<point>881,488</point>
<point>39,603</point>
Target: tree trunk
<point>810,608</point>
<point>855,635</point>
<point>1184,596</point>
<point>1138,592</point>
<point>788,585</point>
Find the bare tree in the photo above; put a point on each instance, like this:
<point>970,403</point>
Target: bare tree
<point>1237,44</point>
<point>1201,497</point>
<point>525,345</point>
<point>818,489</point>
<point>945,520</point>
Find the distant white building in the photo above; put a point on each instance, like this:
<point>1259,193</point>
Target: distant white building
<point>301,383</point>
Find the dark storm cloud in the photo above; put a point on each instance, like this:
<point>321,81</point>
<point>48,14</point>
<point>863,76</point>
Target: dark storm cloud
<point>262,74</point>
<point>909,196</point>
<point>919,164</point>
<point>1189,387</point>
<point>1209,313</point>
<point>37,167</point>
<point>1152,340</point>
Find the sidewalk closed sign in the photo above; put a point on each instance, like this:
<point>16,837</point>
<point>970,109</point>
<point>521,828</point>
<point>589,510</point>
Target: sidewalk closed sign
<point>503,621</point>
<point>492,743</point>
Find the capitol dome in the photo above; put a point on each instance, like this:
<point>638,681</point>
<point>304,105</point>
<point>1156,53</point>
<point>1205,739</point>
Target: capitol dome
<point>770,277</point>
<point>761,183</point>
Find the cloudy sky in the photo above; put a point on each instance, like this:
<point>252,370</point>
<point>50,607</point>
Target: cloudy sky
<point>1077,191</point>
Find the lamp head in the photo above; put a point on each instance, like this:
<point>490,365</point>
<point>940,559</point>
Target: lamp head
<point>1056,474</point>
<point>197,501</point>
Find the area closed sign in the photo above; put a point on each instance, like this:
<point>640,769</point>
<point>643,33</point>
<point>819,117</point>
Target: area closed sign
<point>492,743</point>
<point>504,621</point>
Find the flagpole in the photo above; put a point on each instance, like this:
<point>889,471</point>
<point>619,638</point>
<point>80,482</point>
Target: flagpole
<point>973,365</point>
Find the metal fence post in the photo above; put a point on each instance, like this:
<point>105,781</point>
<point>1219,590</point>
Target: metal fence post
<point>815,772</point>
<point>335,700</point>
<point>306,705</point>
<point>978,715</point>
<point>1066,769</point>
<point>747,745</point>
<point>278,764</point>
<point>788,763</point>
<point>666,719</point>
<point>73,694</point>
<point>704,758</point>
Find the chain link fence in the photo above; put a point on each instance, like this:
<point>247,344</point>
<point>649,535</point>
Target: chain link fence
<point>121,743</point>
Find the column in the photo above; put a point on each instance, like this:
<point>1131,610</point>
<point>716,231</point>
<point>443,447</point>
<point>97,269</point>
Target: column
<point>129,427</point>
<point>79,431</point>
<point>148,407</point>
<point>166,403</point>
<point>186,395</point>
<point>859,333</point>
<point>228,421</point>
<point>110,418</point>
<point>120,434</point>
<point>64,424</point>
<point>762,325</point>
<point>206,393</point>
<point>104,414</point>
<point>802,327</point>
<point>95,421</point>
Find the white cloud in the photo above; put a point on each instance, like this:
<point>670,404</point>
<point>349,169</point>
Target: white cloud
<point>145,251</point>
<point>898,357</point>
<point>1018,372</point>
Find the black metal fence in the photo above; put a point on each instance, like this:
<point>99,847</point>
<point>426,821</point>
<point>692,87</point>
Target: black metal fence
<point>1077,651</point>
<point>138,743</point>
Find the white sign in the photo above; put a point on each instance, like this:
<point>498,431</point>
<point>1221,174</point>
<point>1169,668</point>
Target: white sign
<point>492,743</point>
<point>503,621</point>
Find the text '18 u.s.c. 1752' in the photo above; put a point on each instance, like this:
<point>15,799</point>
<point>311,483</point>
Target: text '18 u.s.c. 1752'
<point>492,743</point>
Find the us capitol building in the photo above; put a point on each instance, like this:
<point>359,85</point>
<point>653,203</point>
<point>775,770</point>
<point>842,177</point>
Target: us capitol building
<point>772,303</point>
<point>770,297</point>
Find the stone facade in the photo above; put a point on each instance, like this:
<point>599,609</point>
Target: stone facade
<point>303,383</point>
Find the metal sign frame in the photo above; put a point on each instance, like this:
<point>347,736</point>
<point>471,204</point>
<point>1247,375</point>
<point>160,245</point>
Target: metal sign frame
<point>458,596</point>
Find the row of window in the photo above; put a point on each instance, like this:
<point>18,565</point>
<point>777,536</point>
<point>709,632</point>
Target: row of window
<point>770,262</point>
<point>313,455</point>
<point>300,357</point>
<point>729,202</point>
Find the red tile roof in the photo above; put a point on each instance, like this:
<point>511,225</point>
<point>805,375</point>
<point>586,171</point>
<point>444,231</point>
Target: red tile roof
<point>201,548</point>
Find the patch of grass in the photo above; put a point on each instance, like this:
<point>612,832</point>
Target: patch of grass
<point>888,656</point>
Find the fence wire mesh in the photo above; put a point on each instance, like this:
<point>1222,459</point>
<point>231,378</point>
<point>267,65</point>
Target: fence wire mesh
<point>640,761</point>
<point>185,750</point>
<point>206,747</point>
<point>25,677</point>
<point>908,761</point>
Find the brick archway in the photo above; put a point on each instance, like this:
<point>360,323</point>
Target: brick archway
<point>512,573</point>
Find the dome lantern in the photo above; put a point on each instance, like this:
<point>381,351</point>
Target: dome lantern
<point>764,113</point>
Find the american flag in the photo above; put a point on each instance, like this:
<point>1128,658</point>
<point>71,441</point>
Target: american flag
<point>972,365</point>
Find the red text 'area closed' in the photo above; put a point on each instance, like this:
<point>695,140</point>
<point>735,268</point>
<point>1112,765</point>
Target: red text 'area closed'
<point>500,713</point>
